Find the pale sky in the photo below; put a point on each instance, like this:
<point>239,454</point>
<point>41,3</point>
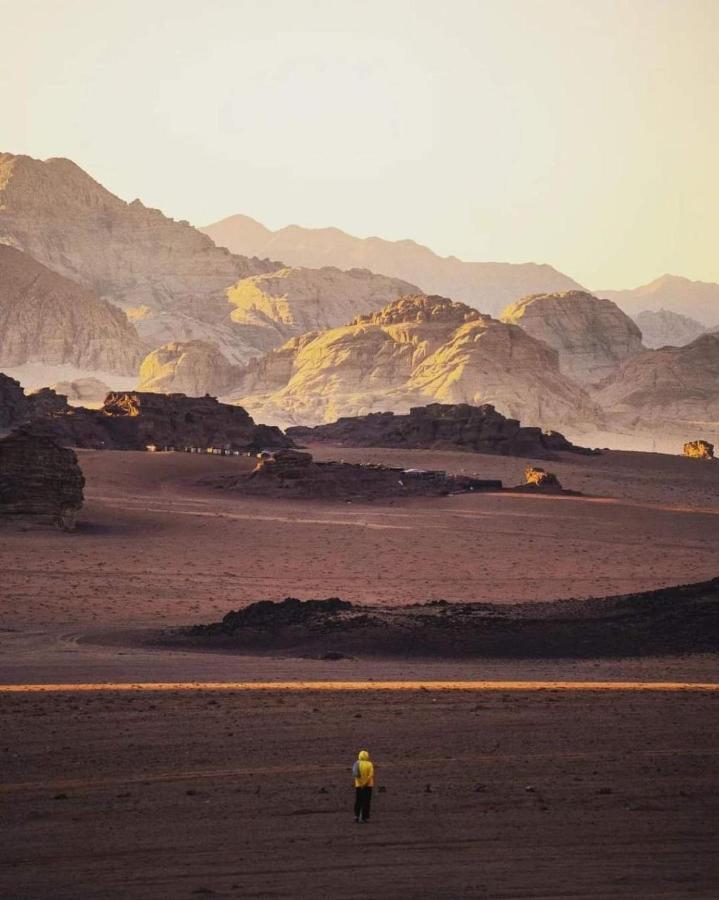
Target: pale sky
<point>582,133</point>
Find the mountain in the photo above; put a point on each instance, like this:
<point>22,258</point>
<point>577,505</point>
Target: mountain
<point>416,350</point>
<point>489,286</point>
<point>168,277</point>
<point>191,367</point>
<point>673,388</point>
<point>46,318</point>
<point>293,301</point>
<point>697,299</point>
<point>592,336</point>
<point>661,328</point>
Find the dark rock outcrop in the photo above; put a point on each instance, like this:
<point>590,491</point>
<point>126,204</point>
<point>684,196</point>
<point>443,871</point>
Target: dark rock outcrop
<point>13,402</point>
<point>541,480</point>
<point>39,480</point>
<point>439,426</point>
<point>699,450</point>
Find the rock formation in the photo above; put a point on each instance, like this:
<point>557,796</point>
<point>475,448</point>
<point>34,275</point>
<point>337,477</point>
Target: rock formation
<point>480,429</point>
<point>699,450</point>
<point>293,301</point>
<point>662,328</point>
<point>592,336</point>
<point>289,473</point>
<point>672,389</point>
<point>416,350</point>
<point>39,480</point>
<point>83,390</point>
<point>697,299</point>
<point>490,286</point>
<point>13,403</point>
<point>170,278</point>
<point>191,367</point>
<point>540,479</point>
<point>47,318</point>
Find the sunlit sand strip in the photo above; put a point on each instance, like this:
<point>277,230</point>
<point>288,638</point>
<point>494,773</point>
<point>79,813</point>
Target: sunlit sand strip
<point>298,686</point>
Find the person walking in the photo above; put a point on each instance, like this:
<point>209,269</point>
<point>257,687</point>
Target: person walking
<point>363,771</point>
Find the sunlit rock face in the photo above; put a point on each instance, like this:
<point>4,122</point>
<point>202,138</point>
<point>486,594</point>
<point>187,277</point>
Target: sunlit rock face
<point>592,336</point>
<point>50,319</point>
<point>39,480</point>
<point>438,426</point>
<point>293,301</point>
<point>662,328</point>
<point>414,351</point>
<point>489,286</point>
<point>699,450</point>
<point>194,368</point>
<point>168,276</point>
<point>675,388</point>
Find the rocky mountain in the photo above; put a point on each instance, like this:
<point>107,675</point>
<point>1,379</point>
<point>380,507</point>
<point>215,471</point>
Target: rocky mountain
<point>83,390</point>
<point>673,388</point>
<point>47,318</point>
<point>293,301</point>
<point>190,367</point>
<point>438,426</point>
<point>592,336</point>
<point>416,350</point>
<point>168,277</point>
<point>697,299</point>
<point>489,286</point>
<point>662,328</point>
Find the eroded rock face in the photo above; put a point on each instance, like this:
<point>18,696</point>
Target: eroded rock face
<point>441,426</point>
<point>47,318</point>
<point>662,328</point>
<point>592,336</point>
<point>39,480</point>
<point>673,389</point>
<point>699,450</point>
<point>293,301</point>
<point>488,285</point>
<point>168,277</point>
<point>13,403</point>
<point>194,368</point>
<point>415,351</point>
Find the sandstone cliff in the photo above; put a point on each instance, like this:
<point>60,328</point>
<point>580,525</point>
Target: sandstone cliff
<point>662,328</point>
<point>697,299</point>
<point>416,350</point>
<point>193,368</point>
<point>293,301</point>
<point>592,336</point>
<point>671,389</point>
<point>437,426</point>
<point>489,286</point>
<point>47,318</point>
<point>169,277</point>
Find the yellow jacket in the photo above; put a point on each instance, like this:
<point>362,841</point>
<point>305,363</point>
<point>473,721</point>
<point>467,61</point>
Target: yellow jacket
<point>364,770</point>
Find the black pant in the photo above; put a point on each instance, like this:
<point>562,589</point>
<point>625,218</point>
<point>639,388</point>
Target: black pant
<point>363,801</point>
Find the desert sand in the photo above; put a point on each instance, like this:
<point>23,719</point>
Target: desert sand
<point>535,793</point>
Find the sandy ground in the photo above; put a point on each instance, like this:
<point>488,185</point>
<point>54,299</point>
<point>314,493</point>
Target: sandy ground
<point>571,794</point>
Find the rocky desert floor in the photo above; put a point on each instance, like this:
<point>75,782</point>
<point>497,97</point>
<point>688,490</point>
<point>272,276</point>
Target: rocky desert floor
<point>592,787</point>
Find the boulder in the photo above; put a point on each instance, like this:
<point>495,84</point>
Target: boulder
<point>699,450</point>
<point>39,480</point>
<point>535,477</point>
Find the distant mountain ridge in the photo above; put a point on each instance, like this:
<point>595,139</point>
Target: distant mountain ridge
<point>697,299</point>
<point>488,286</point>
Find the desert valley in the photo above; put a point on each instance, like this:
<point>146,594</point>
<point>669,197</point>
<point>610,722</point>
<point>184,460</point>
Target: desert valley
<point>398,510</point>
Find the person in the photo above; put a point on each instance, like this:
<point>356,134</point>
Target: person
<point>363,771</point>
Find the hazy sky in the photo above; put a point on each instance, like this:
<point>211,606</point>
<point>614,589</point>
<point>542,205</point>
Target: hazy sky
<point>583,133</point>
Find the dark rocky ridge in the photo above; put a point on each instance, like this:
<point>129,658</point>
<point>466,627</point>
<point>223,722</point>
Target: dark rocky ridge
<point>674,620</point>
<point>39,480</point>
<point>439,426</point>
<point>132,420</point>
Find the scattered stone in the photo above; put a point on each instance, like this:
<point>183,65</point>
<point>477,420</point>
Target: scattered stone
<point>60,797</point>
<point>39,480</point>
<point>699,450</point>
